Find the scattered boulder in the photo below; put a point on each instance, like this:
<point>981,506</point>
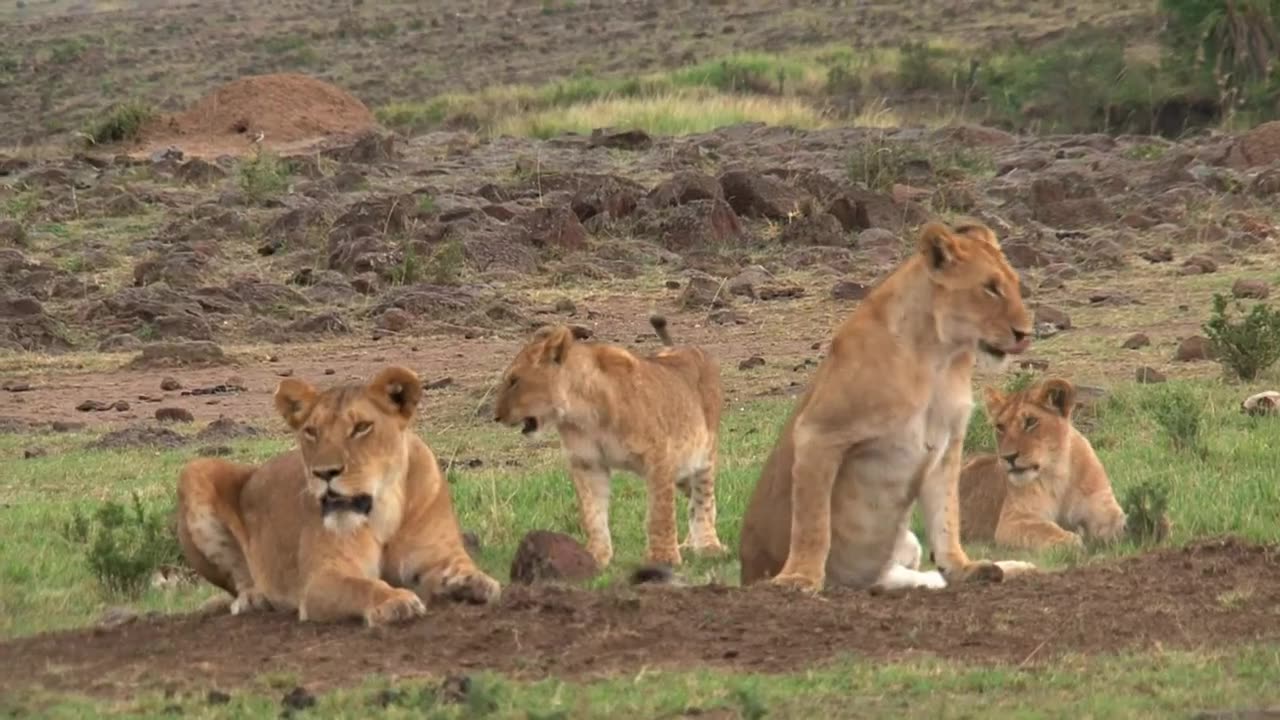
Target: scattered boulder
<point>685,187</point>
<point>849,290</point>
<point>701,224</point>
<point>174,415</point>
<point>703,291</point>
<point>543,556</point>
<point>12,233</point>
<point>1050,321</point>
<point>139,436</point>
<point>180,354</point>
<point>1136,341</point>
<point>1150,376</point>
<point>1251,289</point>
<point>1193,349</point>
<point>1198,265</point>
<point>819,229</point>
<point>551,227</point>
<point>755,195</point>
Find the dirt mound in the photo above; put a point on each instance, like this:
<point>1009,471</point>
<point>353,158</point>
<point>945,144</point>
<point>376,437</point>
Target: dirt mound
<point>284,107</point>
<point>1211,593</point>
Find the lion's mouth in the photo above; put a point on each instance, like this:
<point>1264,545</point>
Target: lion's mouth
<point>530,426</point>
<point>999,353</point>
<point>331,502</point>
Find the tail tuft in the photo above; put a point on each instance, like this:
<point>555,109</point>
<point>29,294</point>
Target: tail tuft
<point>659,324</point>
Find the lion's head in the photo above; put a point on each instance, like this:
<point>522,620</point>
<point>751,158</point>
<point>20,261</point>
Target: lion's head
<point>978,295</point>
<point>1033,427</point>
<point>534,388</point>
<point>352,438</point>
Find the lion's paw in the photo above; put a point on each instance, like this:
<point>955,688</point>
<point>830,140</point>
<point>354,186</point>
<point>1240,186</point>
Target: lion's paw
<point>710,550</point>
<point>402,605</point>
<point>1015,567</point>
<point>976,571</point>
<point>795,581</point>
<point>473,587</point>
<point>250,600</point>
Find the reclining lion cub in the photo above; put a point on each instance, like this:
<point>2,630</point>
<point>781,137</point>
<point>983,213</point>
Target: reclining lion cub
<point>657,416</point>
<point>883,422</point>
<point>1043,478</point>
<point>356,522</point>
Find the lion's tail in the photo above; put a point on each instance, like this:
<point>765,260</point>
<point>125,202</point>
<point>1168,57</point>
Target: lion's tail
<point>659,324</point>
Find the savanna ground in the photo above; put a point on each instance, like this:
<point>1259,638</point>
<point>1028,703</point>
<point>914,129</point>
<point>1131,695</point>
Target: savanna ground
<point>786,156</point>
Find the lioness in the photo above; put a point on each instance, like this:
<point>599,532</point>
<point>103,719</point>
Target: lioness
<point>356,522</point>
<point>656,416</point>
<point>1043,477</point>
<point>883,423</point>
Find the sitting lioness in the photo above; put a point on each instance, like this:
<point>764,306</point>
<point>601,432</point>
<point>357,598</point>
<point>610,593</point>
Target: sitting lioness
<point>1044,476</point>
<point>656,416</point>
<point>883,422</point>
<point>356,522</point>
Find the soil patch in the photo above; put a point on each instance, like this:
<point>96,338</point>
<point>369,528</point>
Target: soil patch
<point>1208,594</point>
<point>286,108</point>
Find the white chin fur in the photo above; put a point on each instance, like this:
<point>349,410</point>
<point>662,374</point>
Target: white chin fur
<point>345,521</point>
<point>1025,477</point>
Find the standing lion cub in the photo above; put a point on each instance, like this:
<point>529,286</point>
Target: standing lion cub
<point>656,416</point>
<point>356,522</point>
<point>882,425</point>
<point>1043,478</point>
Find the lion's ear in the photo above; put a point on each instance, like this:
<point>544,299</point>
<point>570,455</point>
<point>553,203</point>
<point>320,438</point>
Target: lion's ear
<point>977,230</point>
<point>993,399</point>
<point>400,387</point>
<point>556,344</point>
<point>938,245</point>
<point>294,399</point>
<point>1057,395</point>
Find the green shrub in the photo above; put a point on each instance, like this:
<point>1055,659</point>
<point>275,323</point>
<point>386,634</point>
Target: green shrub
<point>263,176</point>
<point>1180,414</point>
<point>123,544</point>
<point>122,122</point>
<point>1146,507</point>
<point>1246,347</point>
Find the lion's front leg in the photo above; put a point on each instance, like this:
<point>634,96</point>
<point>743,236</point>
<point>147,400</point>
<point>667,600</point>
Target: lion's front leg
<point>428,556</point>
<point>940,502</point>
<point>591,484</point>
<point>342,582</point>
<point>813,476</point>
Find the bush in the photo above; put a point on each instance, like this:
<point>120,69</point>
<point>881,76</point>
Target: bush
<point>122,122</point>
<point>1178,412</point>
<point>1246,347</point>
<point>1146,508</point>
<point>262,177</point>
<point>1236,40</point>
<point>124,545</point>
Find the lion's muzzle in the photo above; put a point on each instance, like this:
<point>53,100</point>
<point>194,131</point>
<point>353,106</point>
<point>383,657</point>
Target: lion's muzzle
<point>331,502</point>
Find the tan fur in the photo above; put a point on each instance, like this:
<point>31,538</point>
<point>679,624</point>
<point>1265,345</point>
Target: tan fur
<point>883,421</point>
<point>1043,478</point>
<point>657,416</point>
<point>259,532</point>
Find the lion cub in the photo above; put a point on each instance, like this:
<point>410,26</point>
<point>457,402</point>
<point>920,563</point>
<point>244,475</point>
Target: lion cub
<point>656,416</point>
<point>356,522</point>
<point>1043,477</point>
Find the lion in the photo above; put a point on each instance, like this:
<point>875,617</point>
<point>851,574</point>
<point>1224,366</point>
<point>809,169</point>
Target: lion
<point>882,425</point>
<point>1263,403</point>
<point>657,416</point>
<point>355,522</point>
<point>1044,476</point>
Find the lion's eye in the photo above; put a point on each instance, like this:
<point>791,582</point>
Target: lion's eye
<point>309,433</point>
<point>993,288</point>
<point>1030,423</point>
<point>361,428</point>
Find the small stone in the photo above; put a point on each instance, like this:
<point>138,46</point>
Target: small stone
<point>17,387</point>
<point>565,306</point>
<point>1251,289</point>
<point>329,371</point>
<point>298,699</point>
<point>546,555</point>
<point>174,414</point>
<point>121,406</point>
<point>1198,265</point>
<point>115,617</point>
<point>1053,317</point>
<point>217,697</point>
<point>34,452</point>
<point>1157,255</point>
<point>92,406</point>
<point>1149,375</point>
<point>1193,349</point>
<point>440,384</point>
<point>754,361</point>
<point>1136,341</point>
<point>848,290</point>
<point>287,372</point>
<point>170,384</point>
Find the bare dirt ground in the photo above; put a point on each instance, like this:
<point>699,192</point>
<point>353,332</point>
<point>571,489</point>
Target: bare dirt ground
<point>1210,594</point>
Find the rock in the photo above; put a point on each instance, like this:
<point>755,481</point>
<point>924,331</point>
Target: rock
<point>395,319</point>
<point>754,195</point>
<point>1198,265</point>
<point>115,617</point>
<point>610,197</point>
<point>1136,341</point>
<point>702,291</point>
<point>543,555</point>
<point>849,290</point>
<point>327,323</point>
<point>780,292</point>
<point>17,386</point>
<point>633,139</point>
<point>12,233</point>
<point>1193,349</point>
<point>727,317</point>
<point>822,229</point>
<point>174,414</point>
<point>1161,254</point>
<point>34,452</point>
<point>119,342</point>
<point>1148,376</point>
<point>1053,317</point>
<point>701,224</point>
<point>551,227</point>
<point>754,361</point>
<point>745,282</point>
<point>180,354</point>
<point>1258,147</point>
<point>1251,289</point>
<point>298,698</point>
<point>683,188</point>
<point>170,384</point>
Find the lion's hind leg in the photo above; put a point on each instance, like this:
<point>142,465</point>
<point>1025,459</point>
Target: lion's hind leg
<point>211,531</point>
<point>703,539</point>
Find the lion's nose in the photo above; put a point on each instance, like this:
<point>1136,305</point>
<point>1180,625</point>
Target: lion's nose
<point>327,474</point>
<point>1009,458</point>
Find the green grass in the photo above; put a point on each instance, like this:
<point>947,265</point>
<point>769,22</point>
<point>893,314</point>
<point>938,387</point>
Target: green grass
<point>46,584</point>
<point>1160,685</point>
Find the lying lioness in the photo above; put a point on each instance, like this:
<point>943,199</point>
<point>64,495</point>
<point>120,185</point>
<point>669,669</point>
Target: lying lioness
<point>354,523</point>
